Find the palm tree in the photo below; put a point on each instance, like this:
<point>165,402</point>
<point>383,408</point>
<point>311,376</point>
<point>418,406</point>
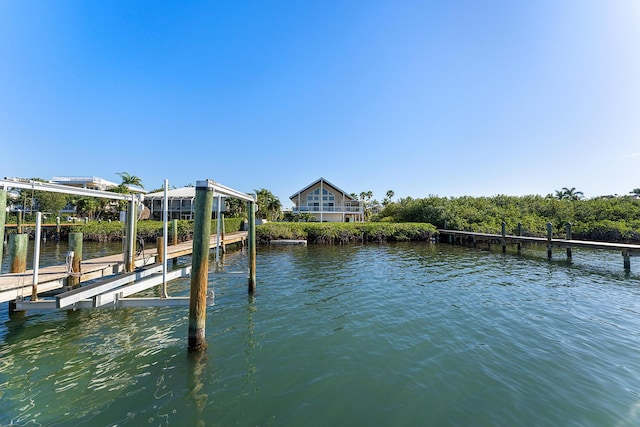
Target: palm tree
<point>129,180</point>
<point>269,206</point>
<point>569,194</point>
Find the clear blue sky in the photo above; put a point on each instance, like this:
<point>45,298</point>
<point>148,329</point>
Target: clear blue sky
<point>449,98</point>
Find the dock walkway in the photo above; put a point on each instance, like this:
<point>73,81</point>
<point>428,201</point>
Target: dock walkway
<point>14,285</point>
<point>626,249</point>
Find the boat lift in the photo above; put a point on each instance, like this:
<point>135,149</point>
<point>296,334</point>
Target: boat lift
<point>115,291</point>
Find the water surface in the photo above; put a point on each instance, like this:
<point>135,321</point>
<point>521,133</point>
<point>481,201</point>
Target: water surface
<point>403,335</point>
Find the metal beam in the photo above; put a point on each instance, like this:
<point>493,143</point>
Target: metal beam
<point>219,189</point>
<point>89,291</point>
<point>66,189</point>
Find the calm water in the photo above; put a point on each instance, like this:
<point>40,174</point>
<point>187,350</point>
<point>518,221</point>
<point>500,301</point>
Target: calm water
<point>402,335</point>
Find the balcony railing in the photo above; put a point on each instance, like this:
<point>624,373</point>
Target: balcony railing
<point>335,209</point>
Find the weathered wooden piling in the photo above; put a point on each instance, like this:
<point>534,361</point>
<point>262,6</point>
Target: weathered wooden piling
<point>57,229</point>
<point>504,237</point>
<point>549,245</point>
<point>200,266</point>
<point>160,253</point>
<point>130,237</point>
<point>252,246</point>
<point>75,246</point>
<point>36,257</point>
<point>519,244</point>
<point>569,254</point>
<point>3,220</point>
<point>18,244</point>
<point>174,231</point>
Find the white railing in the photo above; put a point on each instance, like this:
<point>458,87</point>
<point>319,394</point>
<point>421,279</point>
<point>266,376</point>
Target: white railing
<point>338,209</point>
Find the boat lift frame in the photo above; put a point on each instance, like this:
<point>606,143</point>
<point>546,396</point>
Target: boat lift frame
<point>113,292</point>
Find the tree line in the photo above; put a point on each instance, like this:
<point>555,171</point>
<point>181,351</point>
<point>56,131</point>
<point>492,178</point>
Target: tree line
<point>605,218</point>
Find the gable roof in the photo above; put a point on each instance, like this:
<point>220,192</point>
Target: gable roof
<point>317,181</point>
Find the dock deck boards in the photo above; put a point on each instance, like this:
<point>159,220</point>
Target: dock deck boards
<point>14,285</point>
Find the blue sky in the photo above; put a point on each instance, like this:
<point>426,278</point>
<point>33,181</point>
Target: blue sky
<point>420,97</point>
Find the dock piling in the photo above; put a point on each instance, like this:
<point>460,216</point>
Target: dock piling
<point>504,237</point>
<point>3,220</point>
<point>569,253</point>
<point>75,247</point>
<point>251,237</point>
<point>18,253</point>
<point>200,267</point>
<point>549,245</point>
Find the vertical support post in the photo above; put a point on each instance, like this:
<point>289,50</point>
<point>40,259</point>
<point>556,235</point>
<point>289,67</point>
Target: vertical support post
<point>57,229</point>
<point>18,253</point>
<point>174,236</point>
<point>504,237</point>
<point>626,260</point>
<point>200,267</point>
<point>36,257</point>
<point>165,237</point>
<point>218,242</point>
<point>224,245</point>
<point>75,246</point>
<point>519,234</point>
<point>252,246</point>
<point>3,220</point>
<point>174,232</point>
<point>130,238</point>
<point>549,234</point>
<point>19,221</point>
<point>161,254</point>
<point>569,254</point>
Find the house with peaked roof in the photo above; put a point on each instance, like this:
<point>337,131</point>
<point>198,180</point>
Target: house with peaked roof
<point>327,203</point>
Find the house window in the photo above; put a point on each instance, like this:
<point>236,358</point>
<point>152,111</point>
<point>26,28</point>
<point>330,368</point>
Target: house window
<point>327,198</point>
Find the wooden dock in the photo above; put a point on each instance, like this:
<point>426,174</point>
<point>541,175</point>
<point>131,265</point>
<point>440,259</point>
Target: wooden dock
<point>470,237</point>
<point>15,285</point>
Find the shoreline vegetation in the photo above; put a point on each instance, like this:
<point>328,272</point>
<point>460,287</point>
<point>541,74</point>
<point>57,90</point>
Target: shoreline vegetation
<point>612,219</point>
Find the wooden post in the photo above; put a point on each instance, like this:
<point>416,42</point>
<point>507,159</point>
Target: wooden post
<point>160,246</point>
<point>18,252</point>
<point>75,246</point>
<point>174,231</point>
<point>569,254</point>
<point>504,237</point>
<point>520,234</point>
<point>130,238</point>
<point>549,234</point>
<point>200,267</point>
<point>252,246</point>
<point>626,260</point>
<point>36,257</point>
<point>224,245</point>
<point>57,229</point>
<point>3,220</point>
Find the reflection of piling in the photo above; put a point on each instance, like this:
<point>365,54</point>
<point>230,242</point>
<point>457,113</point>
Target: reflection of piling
<point>57,229</point>
<point>75,247</point>
<point>18,253</point>
<point>200,267</point>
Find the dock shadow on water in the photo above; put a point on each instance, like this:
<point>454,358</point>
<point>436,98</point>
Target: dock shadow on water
<point>398,334</point>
